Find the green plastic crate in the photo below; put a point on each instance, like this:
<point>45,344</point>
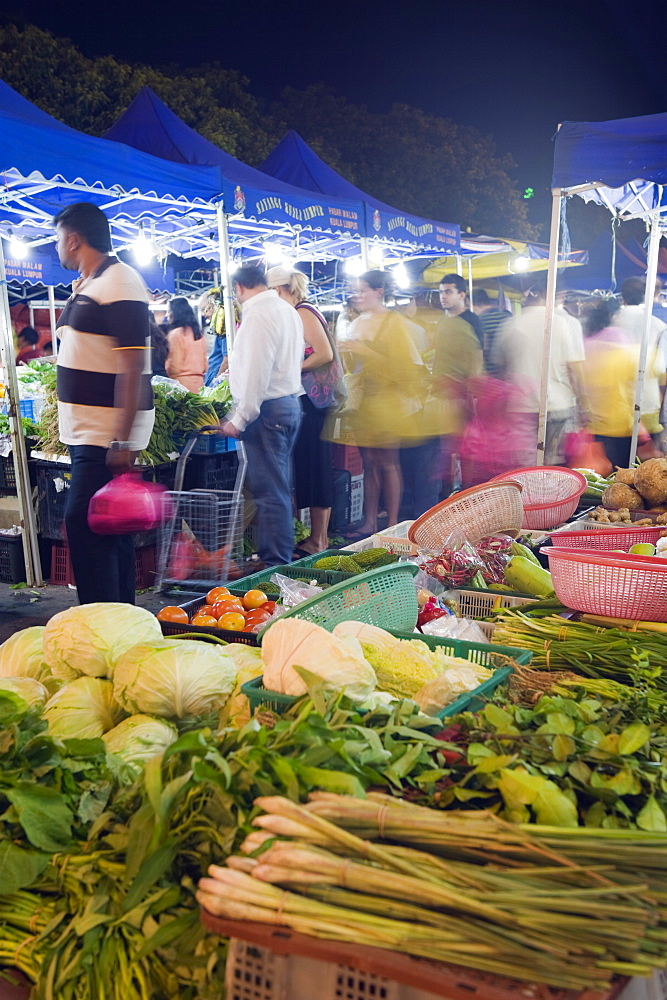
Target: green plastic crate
<point>471,701</point>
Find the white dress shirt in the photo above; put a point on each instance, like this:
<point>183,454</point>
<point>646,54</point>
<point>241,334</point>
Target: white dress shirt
<point>632,319</point>
<point>265,362</point>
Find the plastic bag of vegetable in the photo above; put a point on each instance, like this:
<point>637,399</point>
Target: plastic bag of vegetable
<point>83,709</point>
<point>90,638</point>
<point>139,738</point>
<point>337,662</point>
<point>174,678</point>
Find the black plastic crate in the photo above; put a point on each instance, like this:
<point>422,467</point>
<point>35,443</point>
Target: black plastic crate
<point>53,482</point>
<point>12,563</point>
<point>212,472</point>
<point>341,511</point>
<point>7,473</point>
<point>164,474</point>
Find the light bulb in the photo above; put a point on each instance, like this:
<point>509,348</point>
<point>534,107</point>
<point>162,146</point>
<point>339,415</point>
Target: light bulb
<point>354,266</point>
<point>275,255</point>
<point>401,276</point>
<point>142,250</point>
<point>376,256</point>
<point>18,248</point>
<point>521,263</point>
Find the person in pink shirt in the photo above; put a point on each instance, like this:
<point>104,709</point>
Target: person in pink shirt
<point>186,361</point>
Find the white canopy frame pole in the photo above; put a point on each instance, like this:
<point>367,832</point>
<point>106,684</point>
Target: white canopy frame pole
<point>227,291</point>
<point>365,255</point>
<point>651,272</point>
<point>459,264</point>
<point>33,568</point>
<point>52,318</point>
<point>552,275</point>
<point>470,296</point>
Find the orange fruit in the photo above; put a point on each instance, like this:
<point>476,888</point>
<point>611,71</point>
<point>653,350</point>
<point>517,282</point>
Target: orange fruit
<point>215,594</point>
<point>207,620</point>
<point>254,599</point>
<point>232,621</point>
<point>226,605</point>
<point>172,614</point>
<point>257,616</point>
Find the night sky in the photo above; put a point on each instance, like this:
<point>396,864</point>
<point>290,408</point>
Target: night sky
<point>511,69</point>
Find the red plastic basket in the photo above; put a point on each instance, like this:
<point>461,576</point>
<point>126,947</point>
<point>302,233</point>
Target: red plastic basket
<point>488,509</point>
<point>616,585</point>
<point>550,494</point>
<point>611,538</point>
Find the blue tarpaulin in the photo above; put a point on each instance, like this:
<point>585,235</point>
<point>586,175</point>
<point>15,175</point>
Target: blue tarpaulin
<point>293,160</point>
<point>627,155</point>
<point>149,125</point>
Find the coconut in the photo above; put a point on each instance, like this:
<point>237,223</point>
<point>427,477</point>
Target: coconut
<point>651,481</point>
<point>626,476</point>
<point>619,495</point>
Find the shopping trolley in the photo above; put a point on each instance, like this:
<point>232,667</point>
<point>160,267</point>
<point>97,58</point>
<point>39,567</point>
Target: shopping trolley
<point>200,543</point>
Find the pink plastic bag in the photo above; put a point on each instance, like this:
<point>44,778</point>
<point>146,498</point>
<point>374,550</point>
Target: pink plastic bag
<point>128,504</point>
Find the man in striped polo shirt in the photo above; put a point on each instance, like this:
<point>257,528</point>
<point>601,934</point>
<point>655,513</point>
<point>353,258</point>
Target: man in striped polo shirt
<point>105,399</point>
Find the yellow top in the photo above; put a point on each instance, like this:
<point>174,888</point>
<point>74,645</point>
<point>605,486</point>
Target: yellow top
<point>610,371</point>
<point>457,358</point>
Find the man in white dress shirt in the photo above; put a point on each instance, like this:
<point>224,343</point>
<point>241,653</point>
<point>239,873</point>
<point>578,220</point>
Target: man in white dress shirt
<point>265,381</point>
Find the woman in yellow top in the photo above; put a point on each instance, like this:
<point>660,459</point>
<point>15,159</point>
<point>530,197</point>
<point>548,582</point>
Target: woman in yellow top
<point>386,407</point>
<point>610,372</point>
<point>186,361</point>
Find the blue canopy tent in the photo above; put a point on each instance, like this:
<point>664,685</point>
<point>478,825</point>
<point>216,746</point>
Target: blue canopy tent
<point>255,204</point>
<point>45,165</point>
<point>293,160</point>
<point>621,164</point>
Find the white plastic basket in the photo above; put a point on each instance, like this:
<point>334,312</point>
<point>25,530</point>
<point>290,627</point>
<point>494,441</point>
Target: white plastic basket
<point>480,603</point>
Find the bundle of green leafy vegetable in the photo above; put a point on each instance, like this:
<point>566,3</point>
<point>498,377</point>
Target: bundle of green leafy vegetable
<point>587,752</point>
<point>104,872</point>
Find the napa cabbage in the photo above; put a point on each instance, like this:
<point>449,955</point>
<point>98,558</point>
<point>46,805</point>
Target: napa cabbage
<point>248,662</point>
<point>90,638</point>
<point>174,678</point>
<point>336,661</point>
<point>446,688</point>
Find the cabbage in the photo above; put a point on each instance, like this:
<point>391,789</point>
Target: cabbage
<point>174,678</point>
<point>32,692</point>
<point>337,662</point>
<point>84,708</point>
<point>89,639</point>
<point>139,738</point>
<point>22,655</point>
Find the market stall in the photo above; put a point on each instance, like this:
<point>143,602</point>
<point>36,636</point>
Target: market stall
<point>621,165</point>
<point>341,780</point>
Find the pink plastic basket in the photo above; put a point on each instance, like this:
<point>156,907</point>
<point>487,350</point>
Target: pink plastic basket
<point>489,509</point>
<point>616,585</point>
<point>550,494</point>
<point>611,538</point>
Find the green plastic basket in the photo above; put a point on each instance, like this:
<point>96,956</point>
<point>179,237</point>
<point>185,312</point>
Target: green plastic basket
<point>385,597</point>
<point>470,701</point>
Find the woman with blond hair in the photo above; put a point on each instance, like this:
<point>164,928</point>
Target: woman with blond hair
<point>322,380</point>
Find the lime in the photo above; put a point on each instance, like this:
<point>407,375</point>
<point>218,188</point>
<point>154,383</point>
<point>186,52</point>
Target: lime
<point>642,549</point>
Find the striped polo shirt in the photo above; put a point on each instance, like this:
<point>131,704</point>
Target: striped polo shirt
<point>109,313</point>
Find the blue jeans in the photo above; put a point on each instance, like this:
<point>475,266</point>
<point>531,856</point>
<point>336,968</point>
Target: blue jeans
<point>215,359</point>
<point>103,565</point>
<point>269,442</point>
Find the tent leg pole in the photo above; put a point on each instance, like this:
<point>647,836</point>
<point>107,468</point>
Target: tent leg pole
<point>552,274</point>
<point>470,281</point>
<point>33,567</point>
<point>227,292</point>
<point>52,318</point>
<point>459,264</point>
<point>651,272</point>
<point>365,258</point>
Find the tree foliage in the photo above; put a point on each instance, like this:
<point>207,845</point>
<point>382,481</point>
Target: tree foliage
<point>421,163</point>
